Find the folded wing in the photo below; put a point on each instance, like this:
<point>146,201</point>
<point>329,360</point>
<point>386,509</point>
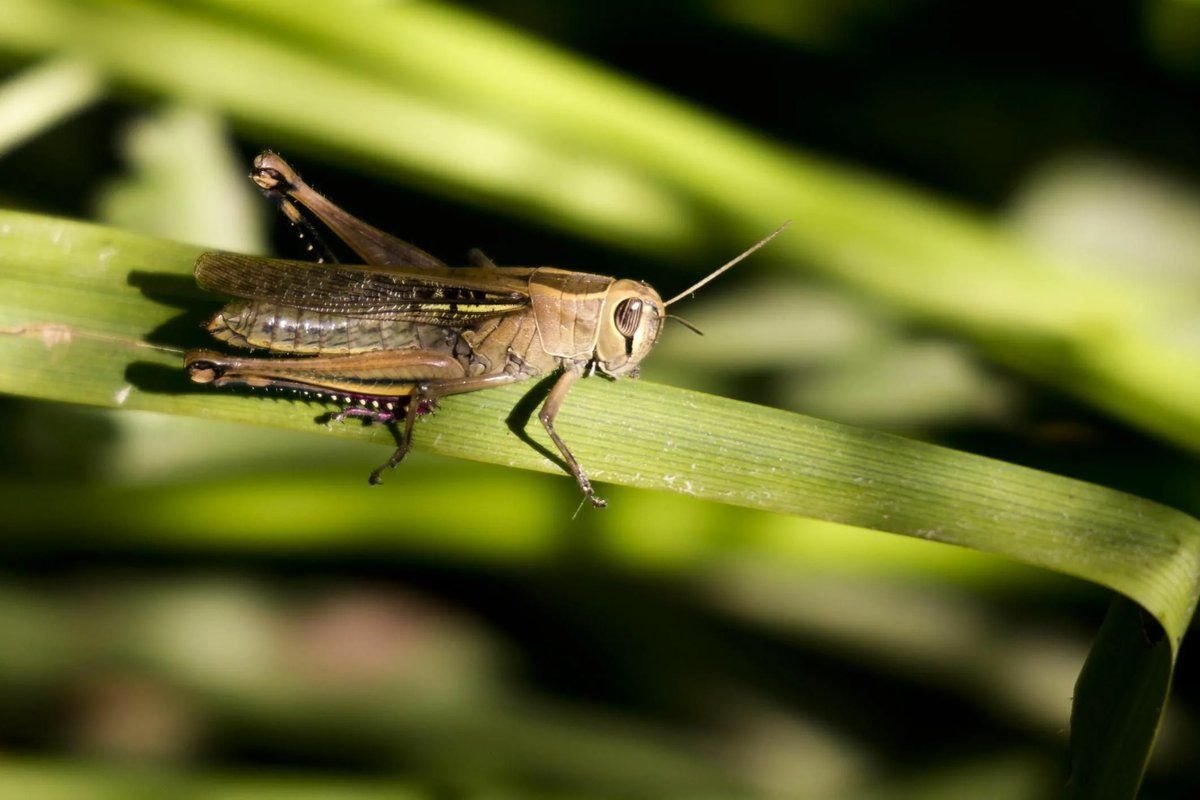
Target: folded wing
<point>434,296</point>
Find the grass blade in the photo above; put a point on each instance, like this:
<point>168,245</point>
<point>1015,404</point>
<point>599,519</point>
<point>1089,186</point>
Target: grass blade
<point>84,316</point>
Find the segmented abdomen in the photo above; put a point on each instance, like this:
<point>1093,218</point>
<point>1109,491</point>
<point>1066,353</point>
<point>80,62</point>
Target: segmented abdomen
<point>286,329</point>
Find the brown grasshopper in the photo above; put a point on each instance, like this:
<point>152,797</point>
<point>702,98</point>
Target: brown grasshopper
<point>388,338</point>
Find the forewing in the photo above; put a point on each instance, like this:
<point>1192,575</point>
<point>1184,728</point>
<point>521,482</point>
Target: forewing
<point>443,296</point>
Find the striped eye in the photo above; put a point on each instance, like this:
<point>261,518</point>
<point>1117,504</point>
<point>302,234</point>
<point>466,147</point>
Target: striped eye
<point>629,313</point>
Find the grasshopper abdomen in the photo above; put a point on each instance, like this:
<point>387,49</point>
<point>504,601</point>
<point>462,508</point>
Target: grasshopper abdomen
<point>258,324</point>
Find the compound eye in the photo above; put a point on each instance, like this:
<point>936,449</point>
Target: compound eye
<point>628,315</point>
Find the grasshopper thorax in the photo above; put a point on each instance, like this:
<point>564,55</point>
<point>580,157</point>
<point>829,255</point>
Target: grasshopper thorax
<point>629,326</point>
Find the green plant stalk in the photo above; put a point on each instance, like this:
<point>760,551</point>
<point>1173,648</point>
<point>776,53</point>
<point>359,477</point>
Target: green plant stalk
<point>717,449</point>
<point>76,326</point>
<point>76,312</point>
<point>44,94</point>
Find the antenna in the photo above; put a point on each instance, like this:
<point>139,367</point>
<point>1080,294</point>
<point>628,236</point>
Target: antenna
<point>685,324</point>
<point>728,265</point>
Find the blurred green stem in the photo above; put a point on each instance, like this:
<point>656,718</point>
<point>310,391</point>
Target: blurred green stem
<point>42,95</point>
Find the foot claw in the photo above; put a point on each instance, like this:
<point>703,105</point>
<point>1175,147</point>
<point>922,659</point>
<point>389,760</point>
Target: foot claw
<point>398,456</point>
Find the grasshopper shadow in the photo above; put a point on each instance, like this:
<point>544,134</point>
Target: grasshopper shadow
<point>518,419</point>
<point>182,332</point>
<point>168,289</point>
<point>186,330</point>
<point>152,378</point>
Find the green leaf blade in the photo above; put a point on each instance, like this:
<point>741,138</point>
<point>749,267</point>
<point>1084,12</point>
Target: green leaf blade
<point>74,348</point>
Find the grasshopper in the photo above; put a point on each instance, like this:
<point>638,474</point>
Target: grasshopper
<point>388,338</point>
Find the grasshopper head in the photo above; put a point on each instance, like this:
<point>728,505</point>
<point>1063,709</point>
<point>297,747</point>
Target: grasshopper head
<point>630,322</point>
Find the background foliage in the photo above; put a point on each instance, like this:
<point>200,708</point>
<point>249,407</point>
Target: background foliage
<point>994,247</point>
